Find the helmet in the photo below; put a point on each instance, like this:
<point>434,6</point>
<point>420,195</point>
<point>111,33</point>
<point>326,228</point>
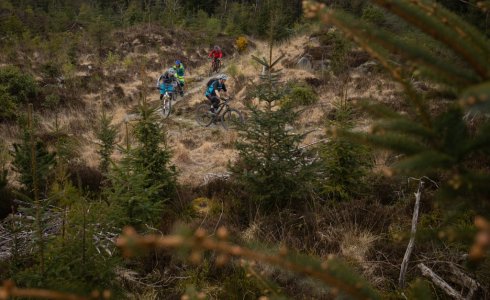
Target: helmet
<point>222,77</point>
<point>216,47</point>
<point>171,71</point>
<point>177,62</point>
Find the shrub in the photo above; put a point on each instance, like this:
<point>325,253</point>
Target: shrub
<point>51,102</point>
<point>374,14</point>
<point>300,95</point>
<point>12,26</point>
<point>241,43</point>
<point>51,71</point>
<point>112,62</point>
<point>8,106</point>
<point>15,88</point>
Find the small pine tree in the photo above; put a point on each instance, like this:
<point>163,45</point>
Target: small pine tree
<point>106,134</point>
<point>271,166</point>
<point>22,163</point>
<point>345,162</point>
<point>133,193</point>
<point>152,154</point>
<point>143,182</point>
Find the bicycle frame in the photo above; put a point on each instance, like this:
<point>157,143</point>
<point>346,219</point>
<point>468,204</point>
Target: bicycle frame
<point>223,106</point>
<point>215,64</point>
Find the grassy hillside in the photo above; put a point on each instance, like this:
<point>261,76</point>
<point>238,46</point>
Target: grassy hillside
<point>361,126</point>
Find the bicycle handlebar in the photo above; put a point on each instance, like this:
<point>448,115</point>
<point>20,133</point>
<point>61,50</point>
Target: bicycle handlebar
<point>226,99</point>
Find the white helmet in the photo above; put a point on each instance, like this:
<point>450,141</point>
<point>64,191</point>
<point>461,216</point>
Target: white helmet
<point>171,71</point>
<point>222,77</point>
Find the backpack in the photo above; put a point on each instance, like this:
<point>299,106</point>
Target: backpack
<point>211,81</point>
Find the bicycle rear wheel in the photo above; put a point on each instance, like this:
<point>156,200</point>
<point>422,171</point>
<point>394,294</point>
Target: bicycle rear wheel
<point>166,106</point>
<point>203,115</point>
<point>231,119</point>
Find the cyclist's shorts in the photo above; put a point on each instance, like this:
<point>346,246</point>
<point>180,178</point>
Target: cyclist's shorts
<point>166,87</point>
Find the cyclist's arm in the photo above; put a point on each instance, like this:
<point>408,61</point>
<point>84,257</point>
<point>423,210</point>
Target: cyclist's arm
<point>216,90</point>
<point>225,91</point>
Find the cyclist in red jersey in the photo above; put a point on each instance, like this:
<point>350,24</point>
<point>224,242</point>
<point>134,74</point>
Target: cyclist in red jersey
<point>216,53</point>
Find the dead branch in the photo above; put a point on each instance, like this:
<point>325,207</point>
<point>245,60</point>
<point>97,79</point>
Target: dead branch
<point>464,280</point>
<point>438,281</point>
<point>210,177</point>
<point>411,243</point>
<point>17,234</point>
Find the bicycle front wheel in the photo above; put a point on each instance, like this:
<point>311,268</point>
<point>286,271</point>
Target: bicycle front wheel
<point>231,119</point>
<point>203,115</point>
<point>166,107</point>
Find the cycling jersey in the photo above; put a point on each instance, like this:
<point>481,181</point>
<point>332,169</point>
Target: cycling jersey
<point>216,54</point>
<point>180,72</point>
<point>166,82</point>
<point>215,86</point>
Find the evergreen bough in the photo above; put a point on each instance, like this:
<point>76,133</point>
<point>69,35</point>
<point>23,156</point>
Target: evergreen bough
<point>430,143</point>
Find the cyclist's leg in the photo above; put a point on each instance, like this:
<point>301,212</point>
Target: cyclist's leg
<point>169,87</point>
<point>215,64</point>
<point>214,102</point>
<point>162,91</point>
<point>181,86</point>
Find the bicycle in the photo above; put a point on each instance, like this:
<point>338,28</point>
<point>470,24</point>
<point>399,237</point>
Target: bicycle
<point>215,66</point>
<point>167,99</point>
<point>229,117</point>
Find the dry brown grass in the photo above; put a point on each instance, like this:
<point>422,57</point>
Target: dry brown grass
<point>198,151</point>
<point>356,244</point>
<point>181,155</point>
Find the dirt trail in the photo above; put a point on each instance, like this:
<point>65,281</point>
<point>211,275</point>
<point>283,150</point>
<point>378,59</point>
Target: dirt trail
<point>199,152</point>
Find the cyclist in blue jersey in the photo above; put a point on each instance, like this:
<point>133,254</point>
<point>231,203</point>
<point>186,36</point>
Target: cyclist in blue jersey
<point>167,82</point>
<point>214,90</point>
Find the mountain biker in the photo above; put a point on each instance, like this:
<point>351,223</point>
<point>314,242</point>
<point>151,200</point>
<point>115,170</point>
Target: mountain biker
<point>167,81</point>
<point>180,72</point>
<point>214,90</point>
<point>216,54</point>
